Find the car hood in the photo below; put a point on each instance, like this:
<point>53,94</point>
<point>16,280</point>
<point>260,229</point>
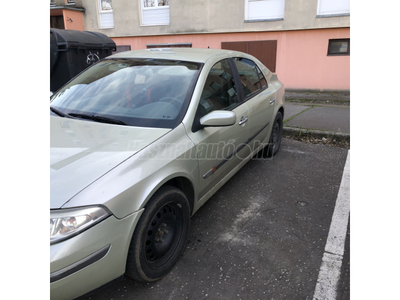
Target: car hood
<point>83,151</point>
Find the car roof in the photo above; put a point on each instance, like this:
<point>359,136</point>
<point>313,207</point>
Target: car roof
<point>186,54</point>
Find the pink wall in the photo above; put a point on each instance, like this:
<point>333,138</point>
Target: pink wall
<point>305,64</point>
<point>73,20</point>
<point>301,62</point>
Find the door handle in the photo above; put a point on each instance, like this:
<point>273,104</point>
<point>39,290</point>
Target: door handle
<point>272,101</point>
<point>243,120</point>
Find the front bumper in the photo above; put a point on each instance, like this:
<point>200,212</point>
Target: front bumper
<point>92,258</point>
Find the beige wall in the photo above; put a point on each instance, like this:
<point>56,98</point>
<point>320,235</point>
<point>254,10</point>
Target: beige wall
<point>207,16</point>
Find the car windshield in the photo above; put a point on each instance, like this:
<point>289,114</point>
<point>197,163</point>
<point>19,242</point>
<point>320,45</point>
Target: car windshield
<point>137,92</point>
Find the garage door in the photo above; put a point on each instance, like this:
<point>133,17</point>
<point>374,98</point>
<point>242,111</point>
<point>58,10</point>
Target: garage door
<point>265,51</point>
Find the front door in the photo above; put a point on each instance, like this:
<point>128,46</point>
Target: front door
<point>220,149</point>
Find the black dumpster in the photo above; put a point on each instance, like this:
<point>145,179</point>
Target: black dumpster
<point>73,51</point>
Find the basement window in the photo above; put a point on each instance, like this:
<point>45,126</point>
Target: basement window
<point>339,47</point>
<point>170,45</point>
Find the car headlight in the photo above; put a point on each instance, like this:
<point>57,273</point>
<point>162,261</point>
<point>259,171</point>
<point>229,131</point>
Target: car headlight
<point>65,223</point>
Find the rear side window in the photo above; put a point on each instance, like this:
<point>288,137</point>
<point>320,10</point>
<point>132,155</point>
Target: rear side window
<point>263,81</point>
<point>251,77</point>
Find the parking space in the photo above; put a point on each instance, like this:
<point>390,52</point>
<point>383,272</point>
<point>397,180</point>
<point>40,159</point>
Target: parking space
<point>261,236</point>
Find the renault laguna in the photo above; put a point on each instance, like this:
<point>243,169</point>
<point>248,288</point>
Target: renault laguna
<point>139,142</point>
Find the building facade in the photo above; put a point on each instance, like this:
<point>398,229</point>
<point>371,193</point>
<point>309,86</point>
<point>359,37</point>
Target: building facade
<point>307,43</point>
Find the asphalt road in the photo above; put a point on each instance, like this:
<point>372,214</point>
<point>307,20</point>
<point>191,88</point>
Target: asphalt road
<point>261,236</point>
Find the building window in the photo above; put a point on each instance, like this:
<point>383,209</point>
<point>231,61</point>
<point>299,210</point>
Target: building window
<point>339,47</point>
<point>122,48</point>
<point>333,8</point>
<point>264,10</point>
<point>71,1</point>
<point>106,15</point>
<point>155,3</point>
<point>57,22</point>
<point>170,45</point>
<point>155,12</point>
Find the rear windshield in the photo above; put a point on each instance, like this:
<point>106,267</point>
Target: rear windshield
<point>137,92</point>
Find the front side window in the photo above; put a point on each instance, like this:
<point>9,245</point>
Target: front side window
<point>155,12</point>
<point>251,77</point>
<point>137,92</point>
<point>219,91</point>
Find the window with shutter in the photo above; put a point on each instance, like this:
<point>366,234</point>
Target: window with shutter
<point>155,12</point>
<point>106,15</point>
<point>264,10</point>
<point>330,8</point>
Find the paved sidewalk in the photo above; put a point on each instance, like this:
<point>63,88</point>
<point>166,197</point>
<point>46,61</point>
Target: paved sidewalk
<point>319,120</point>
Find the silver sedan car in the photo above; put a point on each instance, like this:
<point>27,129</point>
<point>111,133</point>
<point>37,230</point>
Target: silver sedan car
<point>139,142</point>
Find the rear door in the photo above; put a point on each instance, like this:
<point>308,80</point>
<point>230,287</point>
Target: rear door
<point>259,99</point>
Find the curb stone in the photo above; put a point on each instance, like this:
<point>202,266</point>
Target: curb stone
<point>318,98</point>
<point>304,132</point>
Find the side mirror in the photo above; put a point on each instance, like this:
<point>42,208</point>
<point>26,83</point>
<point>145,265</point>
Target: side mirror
<point>218,118</point>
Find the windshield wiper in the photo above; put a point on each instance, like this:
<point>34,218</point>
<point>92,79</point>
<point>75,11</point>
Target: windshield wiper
<point>60,113</point>
<point>100,119</point>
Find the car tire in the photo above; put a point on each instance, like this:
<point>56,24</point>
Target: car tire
<point>275,138</point>
<point>160,235</point>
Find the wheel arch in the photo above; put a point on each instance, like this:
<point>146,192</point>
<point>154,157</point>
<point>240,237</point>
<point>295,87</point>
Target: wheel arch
<point>181,182</point>
<point>186,186</point>
<point>282,111</point>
